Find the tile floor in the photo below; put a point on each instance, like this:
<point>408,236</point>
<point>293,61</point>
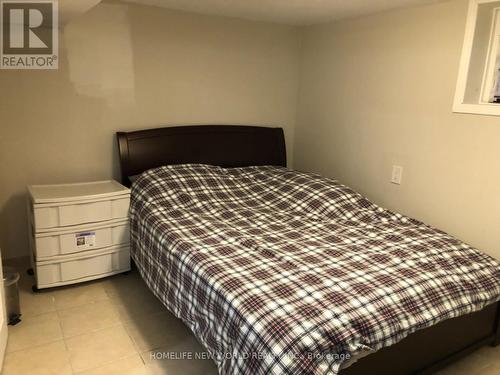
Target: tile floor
<point>115,325</point>
<point>108,326</point>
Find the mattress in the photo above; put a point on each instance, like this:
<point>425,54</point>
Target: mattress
<point>281,272</point>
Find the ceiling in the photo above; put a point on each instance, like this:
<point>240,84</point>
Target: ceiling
<point>69,9</point>
<point>292,12</point>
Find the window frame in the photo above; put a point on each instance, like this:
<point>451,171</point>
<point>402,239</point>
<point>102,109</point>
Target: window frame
<point>459,104</point>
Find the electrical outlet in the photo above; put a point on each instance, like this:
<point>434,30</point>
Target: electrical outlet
<point>397,174</point>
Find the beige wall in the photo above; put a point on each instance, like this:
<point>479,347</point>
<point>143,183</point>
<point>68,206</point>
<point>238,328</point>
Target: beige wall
<point>374,92</point>
<point>378,91</point>
<point>132,67</point>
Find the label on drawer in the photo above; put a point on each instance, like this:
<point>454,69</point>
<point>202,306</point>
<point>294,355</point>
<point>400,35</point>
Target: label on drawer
<point>85,239</point>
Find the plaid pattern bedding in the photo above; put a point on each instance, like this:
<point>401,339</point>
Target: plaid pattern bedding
<point>282,272</point>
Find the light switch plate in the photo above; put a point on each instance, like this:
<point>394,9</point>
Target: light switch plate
<point>397,174</point>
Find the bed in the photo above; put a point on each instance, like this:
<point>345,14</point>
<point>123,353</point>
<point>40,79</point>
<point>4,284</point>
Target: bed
<point>234,244</point>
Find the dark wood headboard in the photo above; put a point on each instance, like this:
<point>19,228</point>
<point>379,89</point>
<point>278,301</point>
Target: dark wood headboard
<point>223,145</point>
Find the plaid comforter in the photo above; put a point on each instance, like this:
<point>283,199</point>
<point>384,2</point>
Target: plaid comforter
<point>282,272</point>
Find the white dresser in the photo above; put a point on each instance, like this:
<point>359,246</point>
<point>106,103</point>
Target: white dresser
<point>78,232</point>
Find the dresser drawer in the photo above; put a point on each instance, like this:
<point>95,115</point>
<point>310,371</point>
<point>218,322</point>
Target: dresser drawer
<point>81,239</point>
<point>68,271</point>
<point>53,216</point>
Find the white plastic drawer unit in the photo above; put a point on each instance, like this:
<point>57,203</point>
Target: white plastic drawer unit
<point>81,238</point>
<point>92,266</point>
<point>72,204</point>
<point>79,232</point>
<point>60,215</point>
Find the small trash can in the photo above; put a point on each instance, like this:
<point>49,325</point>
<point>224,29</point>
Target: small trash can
<point>10,279</point>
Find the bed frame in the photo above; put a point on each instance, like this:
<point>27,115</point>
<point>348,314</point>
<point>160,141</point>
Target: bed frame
<point>222,145</point>
<point>423,352</point>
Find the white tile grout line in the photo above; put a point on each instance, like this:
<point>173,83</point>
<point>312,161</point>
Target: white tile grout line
<point>136,346</point>
<point>68,358</point>
<point>107,363</point>
<point>35,346</point>
<point>112,304</point>
<point>114,324</point>
<point>38,345</point>
<point>120,322</point>
<point>90,303</point>
<point>104,363</point>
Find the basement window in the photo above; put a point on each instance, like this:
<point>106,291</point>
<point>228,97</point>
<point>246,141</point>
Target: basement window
<point>491,84</point>
<point>478,85</point>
